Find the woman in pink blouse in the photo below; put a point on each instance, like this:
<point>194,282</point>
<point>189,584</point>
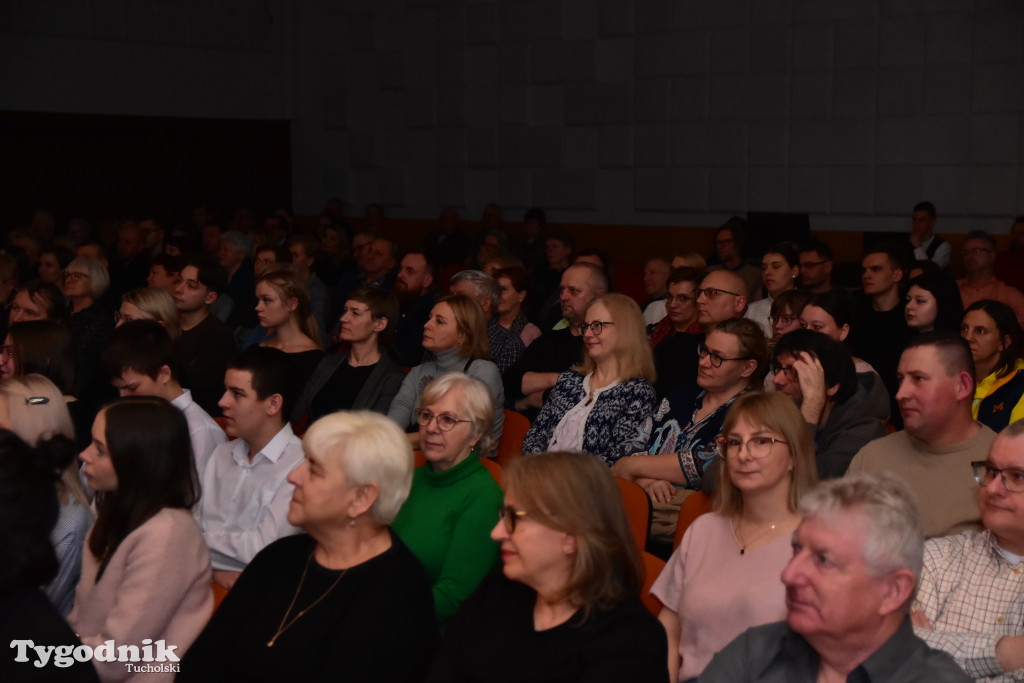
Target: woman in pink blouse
<point>724,577</point>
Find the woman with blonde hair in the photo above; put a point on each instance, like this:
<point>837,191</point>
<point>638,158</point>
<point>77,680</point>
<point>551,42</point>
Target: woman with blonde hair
<point>149,303</point>
<point>566,605</point>
<point>597,405</point>
<point>32,407</point>
<point>86,280</point>
<point>456,333</point>
<point>450,511</point>
<point>284,310</point>
<point>724,577</point>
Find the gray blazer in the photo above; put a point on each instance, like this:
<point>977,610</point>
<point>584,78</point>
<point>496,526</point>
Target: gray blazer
<point>376,394</point>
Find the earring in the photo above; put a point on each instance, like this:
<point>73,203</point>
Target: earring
<point>352,521</point>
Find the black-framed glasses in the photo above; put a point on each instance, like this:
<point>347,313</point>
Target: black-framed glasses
<point>713,292</point>
<point>445,421</point>
<point>509,515</point>
<point>596,327</point>
<point>788,370</point>
<point>716,360</point>
<point>785,319</point>
<point>984,473</point>
<point>757,446</point>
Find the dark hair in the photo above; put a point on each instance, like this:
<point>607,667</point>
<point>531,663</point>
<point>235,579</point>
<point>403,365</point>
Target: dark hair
<point>839,304</point>
<point>685,274</point>
<point>927,207</point>
<point>787,250</point>
<point>211,274</point>
<point>169,262</point>
<point>560,235</point>
<point>753,344</point>
<point>60,252</point>
<point>819,247</point>
<point>897,255</point>
<point>150,448</point>
<point>431,262</point>
<point>835,359</point>
<point>737,227</point>
<point>45,347</point>
<point>56,304</point>
<point>517,275</point>
<point>793,299</point>
<point>980,235</point>
<point>536,214</point>
<point>269,369</point>
<point>142,346</point>
<point>382,304</point>
<point>310,244</point>
<point>28,513</point>
<point>954,351</point>
<point>1008,326</point>
<point>949,306</point>
<point>281,255</point>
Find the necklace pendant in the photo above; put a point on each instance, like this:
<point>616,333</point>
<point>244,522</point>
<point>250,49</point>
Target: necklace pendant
<point>743,551</point>
<point>270,643</point>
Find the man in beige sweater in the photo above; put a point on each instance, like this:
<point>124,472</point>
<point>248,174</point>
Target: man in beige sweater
<point>940,439</point>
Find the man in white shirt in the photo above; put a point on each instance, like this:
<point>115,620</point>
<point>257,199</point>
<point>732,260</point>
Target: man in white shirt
<point>140,362</point>
<point>245,492</point>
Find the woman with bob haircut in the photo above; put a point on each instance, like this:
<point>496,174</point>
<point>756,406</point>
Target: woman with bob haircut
<point>146,572</point>
<point>515,283</point>
<point>284,310</point>
<point>366,377</point>
<point>597,405</point>
<point>28,510</point>
<point>45,347</point>
<point>994,335</point>
<point>149,303</point>
<point>714,588</point>
<point>34,409</point>
<point>566,605</point>
<point>448,518</point>
<point>456,333</point>
<point>334,601</point>
<point>85,281</point>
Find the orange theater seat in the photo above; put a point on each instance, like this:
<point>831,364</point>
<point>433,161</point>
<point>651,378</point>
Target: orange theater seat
<point>510,446</point>
<point>652,569</point>
<point>692,508</point>
<point>638,509</point>
<point>219,593</point>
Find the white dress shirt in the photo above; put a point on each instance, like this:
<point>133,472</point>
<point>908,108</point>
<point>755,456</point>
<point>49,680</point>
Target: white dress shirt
<point>206,434</point>
<point>244,506</point>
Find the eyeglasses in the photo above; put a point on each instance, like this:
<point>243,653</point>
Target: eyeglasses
<point>716,360</point>
<point>789,370</point>
<point>786,319</point>
<point>712,292</point>
<point>984,473</point>
<point>596,327</point>
<point>757,446</point>
<point>75,276</point>
<point>445,421</point>
<point>509,515</point>
<point>679,298</point>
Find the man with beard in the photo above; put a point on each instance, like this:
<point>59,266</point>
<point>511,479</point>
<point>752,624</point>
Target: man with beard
<point>414,287</point>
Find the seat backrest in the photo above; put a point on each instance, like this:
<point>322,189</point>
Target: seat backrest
<point>692,508</point>
<point>638,509</point>
<point>495,470</point>
<point>510,445</point>
<point>221,422</point>
<point>653,565</point>
<point>219,593</point>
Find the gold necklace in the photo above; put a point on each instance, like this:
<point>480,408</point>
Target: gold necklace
<point>282,627</point>
<point>737,533</point>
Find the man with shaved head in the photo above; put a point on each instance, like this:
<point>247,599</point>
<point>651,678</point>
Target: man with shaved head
<point>721,296</point>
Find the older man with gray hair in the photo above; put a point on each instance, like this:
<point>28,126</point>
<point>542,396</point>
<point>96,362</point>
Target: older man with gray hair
<point>856,562</point>
<point>506,347</point>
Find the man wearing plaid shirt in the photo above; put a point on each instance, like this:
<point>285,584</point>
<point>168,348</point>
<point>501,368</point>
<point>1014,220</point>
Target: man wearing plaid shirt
<point>971,597</point>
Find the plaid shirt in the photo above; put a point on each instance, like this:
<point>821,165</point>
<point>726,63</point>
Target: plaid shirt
<point>973,597</point>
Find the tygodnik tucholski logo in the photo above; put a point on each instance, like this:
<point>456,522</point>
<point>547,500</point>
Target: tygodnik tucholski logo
<point>63,656</point>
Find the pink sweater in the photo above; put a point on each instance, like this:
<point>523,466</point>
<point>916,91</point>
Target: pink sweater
<point>156,585</point>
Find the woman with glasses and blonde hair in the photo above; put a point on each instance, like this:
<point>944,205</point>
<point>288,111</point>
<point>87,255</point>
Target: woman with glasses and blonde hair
<point>149,303</point>
<point>456,333</point>
<point>596,405</point>
<point>565,606</point>
<point>450,510</point>
<point>32,407</point>
<point>724,577</point>
<point>675,445</point>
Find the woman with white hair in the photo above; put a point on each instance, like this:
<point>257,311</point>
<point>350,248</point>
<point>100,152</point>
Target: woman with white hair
<point>448,518</point>
<point>338,599</point>
<point>85,281</point>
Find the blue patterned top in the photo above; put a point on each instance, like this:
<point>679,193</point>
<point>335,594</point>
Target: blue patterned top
<point>616,414</point>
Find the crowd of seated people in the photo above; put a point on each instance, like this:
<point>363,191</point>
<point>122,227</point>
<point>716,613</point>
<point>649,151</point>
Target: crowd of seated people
<point>721,381</point>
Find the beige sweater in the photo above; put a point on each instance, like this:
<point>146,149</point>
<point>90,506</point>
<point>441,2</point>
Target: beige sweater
<point>156,585</point>
<point>940,477</point>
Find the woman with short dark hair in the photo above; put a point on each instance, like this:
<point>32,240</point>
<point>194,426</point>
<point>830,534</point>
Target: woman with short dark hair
<point>994,335</point>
